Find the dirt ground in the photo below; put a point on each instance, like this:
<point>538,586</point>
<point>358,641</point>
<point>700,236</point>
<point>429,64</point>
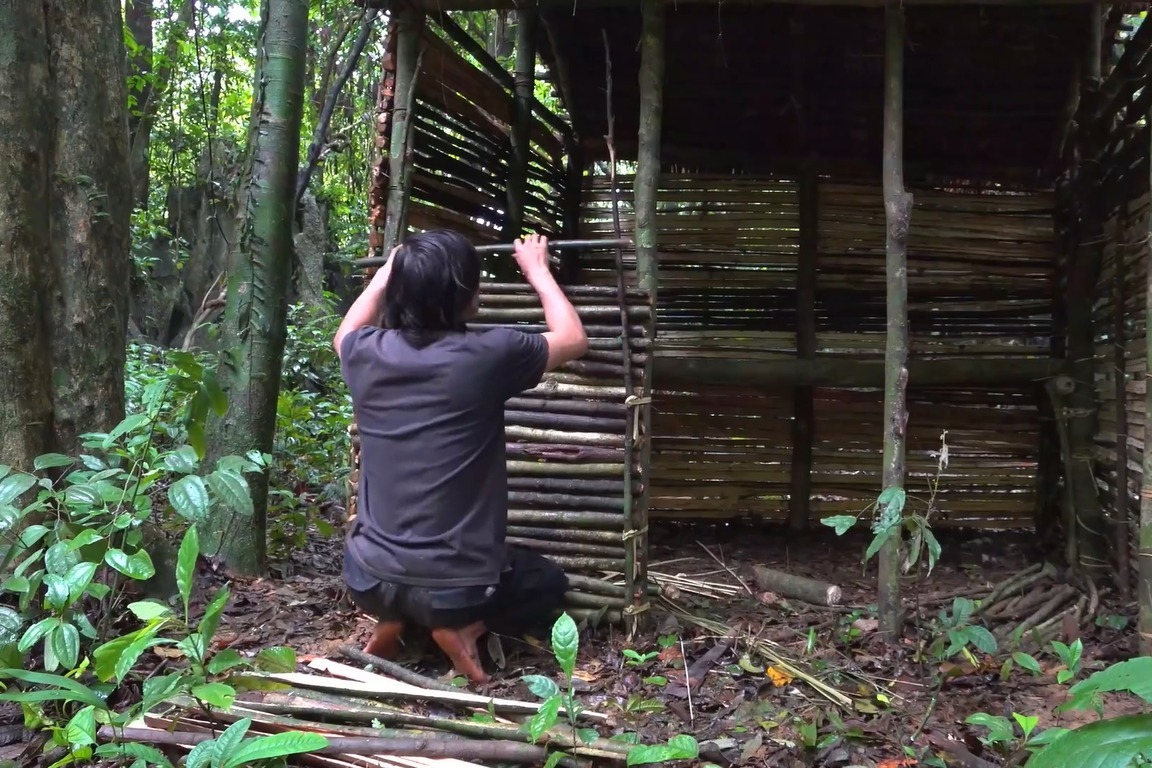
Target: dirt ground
<point>741,717</point>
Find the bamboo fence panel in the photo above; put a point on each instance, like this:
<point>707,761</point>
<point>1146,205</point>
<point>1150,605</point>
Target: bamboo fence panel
<point>981,268</point>
<point>1126,249</point>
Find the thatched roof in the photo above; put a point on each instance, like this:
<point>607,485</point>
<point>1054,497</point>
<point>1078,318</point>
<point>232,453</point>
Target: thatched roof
<point>754,86</point>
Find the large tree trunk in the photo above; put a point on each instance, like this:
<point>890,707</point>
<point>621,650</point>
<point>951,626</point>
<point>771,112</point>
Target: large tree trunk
<point>65,204</point>
<point>256,314</point>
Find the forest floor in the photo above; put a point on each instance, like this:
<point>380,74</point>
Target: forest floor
<point>742,717</point>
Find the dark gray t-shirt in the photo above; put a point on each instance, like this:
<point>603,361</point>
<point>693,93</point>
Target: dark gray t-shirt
<point>433,497</point>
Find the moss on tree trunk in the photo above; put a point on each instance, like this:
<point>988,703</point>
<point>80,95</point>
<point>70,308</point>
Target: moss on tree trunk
<point>255,318</point>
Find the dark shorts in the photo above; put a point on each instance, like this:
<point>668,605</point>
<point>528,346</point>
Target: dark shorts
<point>527,600</point>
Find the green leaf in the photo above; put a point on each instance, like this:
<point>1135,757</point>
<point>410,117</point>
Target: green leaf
<point>14,486</point>
<point>1027,723</point>
<point>78,578</point>
<point>198,441</point>
<point>137,565</point>
<point>81,729</point>
<point>36,632</point>
<point>1027,662</point>
<point>10,625</point>
<point>587,735</point>
<point>65,640</point>
<point>9,517</point>
<point>83,495</point>
<point>999,728</point>
<point>1112,743</point>
<point>276,659</point>
<point>565,643</point>
<point>215,694</point>
<point>554,759</point>
<point>60,557</point>
<point>231,488</point>
<point>228,741</point>
<point>880,539</point>
<point>186,564</point>
<point>546,717</point>
<point>225,660</point>
<point>183,460</point>
<point>94,463</point>
<point>217,398</point>
<point>686,747</point>
<point>980,637</point>
<point>840,523</point>
<point>276,745</point>
<point>189,497</point>
<point>213,612</point>
<point>56,592</point>
<point>146,752</point>
<point>148,610</point>
<point>681,747</point>
<point>51,460</point>
<point>934,549</point>
<point>57,687</point>
<point>891,503</point>
<point>159,688</point>
<point>541,687</point>
<point>1133,676</point>
<point>202,755</point>
<point>85,538</point>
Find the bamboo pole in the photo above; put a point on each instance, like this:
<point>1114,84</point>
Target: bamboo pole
<point>524,77</point>
<point>898,211</point>
<point>1121,533</point>
<point>803,423</point>
<point>1144,540</point>
<point>409,22</point>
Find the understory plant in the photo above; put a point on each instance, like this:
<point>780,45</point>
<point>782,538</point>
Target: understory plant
<point>565,647</point>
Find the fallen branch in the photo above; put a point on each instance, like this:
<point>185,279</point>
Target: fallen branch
<point>799,587</point>
<point>395,670</point>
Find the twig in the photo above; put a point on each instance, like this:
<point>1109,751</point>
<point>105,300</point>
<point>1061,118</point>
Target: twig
<point>395,670</point>
<point>724,565</point>
<point>687,682</point>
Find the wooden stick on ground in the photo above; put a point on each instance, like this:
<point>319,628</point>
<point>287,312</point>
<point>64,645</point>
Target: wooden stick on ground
<point>395,670</point>
<point>799,587</point>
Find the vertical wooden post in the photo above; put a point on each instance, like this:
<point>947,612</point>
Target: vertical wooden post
<point>898,211</point>
<point>521,128</point>
<point>645,189</point>
<point>409,23</point>
<point>803,426</point>
<point>573,204</point>
<point>1144,540</point>
<point>1120,516</point>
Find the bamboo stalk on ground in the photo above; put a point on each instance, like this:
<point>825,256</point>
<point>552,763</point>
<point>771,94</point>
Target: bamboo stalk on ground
<point>800,587</point>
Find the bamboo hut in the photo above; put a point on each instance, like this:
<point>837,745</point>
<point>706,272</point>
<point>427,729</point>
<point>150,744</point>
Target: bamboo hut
<point>843,218</point>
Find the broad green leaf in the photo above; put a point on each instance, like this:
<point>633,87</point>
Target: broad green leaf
<point>159,688</point>
<point>587,735</point>
<point>1133,676</point>
<point>999,728</point>
<point>81,729</point>
<point>186,564</point>
<point>1112,743</point>
<point>1026,722</point>
<point>213,612</point>
<point>215,694</point>
<point>546,717</point>
<point>85,538</point>
<point>542,687</point>
<point>94,463</point>
<point>137,565</point>
<point>147,610</point>
<point>686,747</point>
<point>840,523</point>
<point>228,741</point>
<point>189,497</point>
<point>891,503</point>
<point>231,488</point>
<point>65,641</point>
<point>183,460</point>
<point>217,398</point>
<point>981,638</point>
<point>145,639</point>
<point>37,632</point>
<point>9,517</point>
<point>52,460</point>
<point>276,659</point>
<point>61,687</point>
<point>146,752</point>
<point>565,643</point>
<point>10,625</point>
<point>4,470</point>
<point>60,557</point>
<point>14,486</point>
<point>678,748</point>
<point>198,442</point>
<point>202,755</point>
<point>84,495</point>
<point>225,660</point>
<point>55,592</point>
<point>880,539</point>
<point>554,759</point>
<point>106,656</point>
<point>934,549</point>
<point>1027,662</point>
<point>276,745</point>
<point>77,578</point>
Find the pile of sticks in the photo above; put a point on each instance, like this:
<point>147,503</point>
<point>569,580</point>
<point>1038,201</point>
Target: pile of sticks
<point>1039,604</point>
<point>361,716</point>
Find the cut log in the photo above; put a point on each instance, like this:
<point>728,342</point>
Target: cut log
<point>798,587</point>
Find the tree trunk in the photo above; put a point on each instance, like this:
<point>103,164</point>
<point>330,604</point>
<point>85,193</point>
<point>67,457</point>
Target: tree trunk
<point>898,210</point>
<point>1144,540</point>
<point>255,318</point>
<point>65,204</point>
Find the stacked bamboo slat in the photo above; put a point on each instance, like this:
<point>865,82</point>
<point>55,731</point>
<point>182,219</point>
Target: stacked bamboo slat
<point>569,495</point>
<point>980,281</point>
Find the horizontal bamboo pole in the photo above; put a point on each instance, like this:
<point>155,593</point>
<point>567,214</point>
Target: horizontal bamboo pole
<point>603,521</point>
<point>379,261</point>
<point>564,534</point>
<point>566,547</point>
<point>843,372</point>
<point>592,408</point>
<point>552,436</point>
<point>536,418</point>
<point>578,485</point>
<point>567,453</point>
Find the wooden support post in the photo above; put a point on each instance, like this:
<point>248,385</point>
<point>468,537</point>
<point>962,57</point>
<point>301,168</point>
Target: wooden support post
<point>378,192</point>
<point>1121,534</point>
<point>573,205</point>
<point>646,186</point>
<point>898,211</point>
<point>521,128</point>
<point>803,421</point>
<point>1144,540</point>
<point>409,23</point>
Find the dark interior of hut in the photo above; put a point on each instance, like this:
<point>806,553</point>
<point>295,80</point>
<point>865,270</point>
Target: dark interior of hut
<point>731,412</point>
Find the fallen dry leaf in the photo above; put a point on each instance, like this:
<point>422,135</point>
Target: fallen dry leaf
<point>866,625</point>
<point>778,676</point>
<point>897,762</point>
<point>768,598</point>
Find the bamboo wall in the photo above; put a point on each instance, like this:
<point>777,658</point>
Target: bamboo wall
<point>980,287</point>
<point>1119,319</point>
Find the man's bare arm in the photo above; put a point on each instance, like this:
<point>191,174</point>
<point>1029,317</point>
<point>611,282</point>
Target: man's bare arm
<point>366,309</point>
<point>565,336</point>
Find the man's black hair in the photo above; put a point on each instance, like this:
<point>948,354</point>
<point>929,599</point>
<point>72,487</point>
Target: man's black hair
<point>434,283</point>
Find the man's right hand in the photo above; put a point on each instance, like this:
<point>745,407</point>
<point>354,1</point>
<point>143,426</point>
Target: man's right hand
<point>532,256</point>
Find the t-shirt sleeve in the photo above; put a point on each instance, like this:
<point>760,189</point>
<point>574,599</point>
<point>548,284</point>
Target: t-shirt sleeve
<point>523,358</point>
<point>349,345</point>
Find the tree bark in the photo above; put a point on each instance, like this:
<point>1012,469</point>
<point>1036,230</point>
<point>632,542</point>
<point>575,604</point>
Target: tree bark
<point>521,128</point>
<point>400,158</point>
<point>647,182</point>
<point>803,423</point>
<point>898,211</point>
<point>1144,542</point>
<point>255,317</point>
